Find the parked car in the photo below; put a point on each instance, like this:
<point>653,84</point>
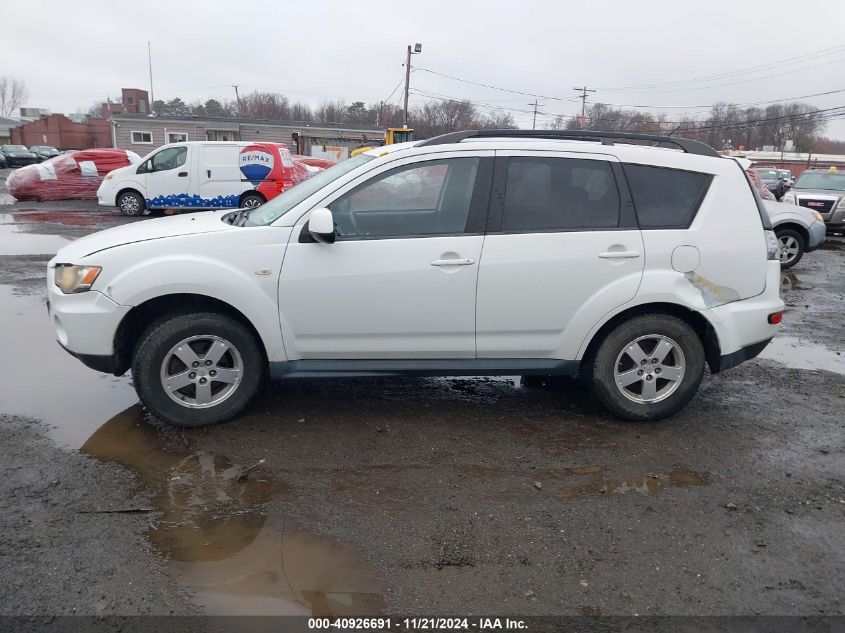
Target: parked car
<point>787,178</point>
<point>821,190</point>
<point>630,265</point>
<point>3,164</point>
<point>203,175</point>
<point>72,176</point>
<point>798,230</point>
<point>771,178</point>
<point>762,189</point>
<point>43,152</point>
<point>17,155</point>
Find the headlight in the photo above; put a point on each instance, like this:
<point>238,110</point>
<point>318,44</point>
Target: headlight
<point>788,198</point>
<point>817,216</point>
<point>108,176</point>
<point>772,245</point>
<point>72,279</point>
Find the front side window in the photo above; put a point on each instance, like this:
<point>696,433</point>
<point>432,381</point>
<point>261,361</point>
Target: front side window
<point>666,198</point>
<point>169,158</point>
<point>559,194</point>
<point>142,138</point>
<point>428,198</point>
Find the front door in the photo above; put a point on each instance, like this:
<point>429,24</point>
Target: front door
<point>562,251</point>
<point>168,178</point>
<point>399,281</point>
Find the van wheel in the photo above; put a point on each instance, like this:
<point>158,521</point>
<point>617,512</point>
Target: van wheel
<point>196,369</point>
<point>251,201</point>
<point>791,247</point>
<point>647,368</point>
<point>131,204</point>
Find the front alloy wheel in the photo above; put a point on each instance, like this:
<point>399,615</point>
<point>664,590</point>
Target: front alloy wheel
<point>201,371</point>
<point>791,247</point>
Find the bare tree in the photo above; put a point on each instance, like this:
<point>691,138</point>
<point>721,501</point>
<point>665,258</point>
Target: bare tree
<point>13,94</point>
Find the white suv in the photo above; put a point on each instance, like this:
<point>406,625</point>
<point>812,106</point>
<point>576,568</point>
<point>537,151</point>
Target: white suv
<point>479,252</point>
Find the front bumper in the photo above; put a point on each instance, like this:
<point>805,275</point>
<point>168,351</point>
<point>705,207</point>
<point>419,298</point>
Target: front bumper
<point>817,232</point>
<point>85,322</point>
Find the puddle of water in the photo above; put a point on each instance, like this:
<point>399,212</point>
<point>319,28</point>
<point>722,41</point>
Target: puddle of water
<point>798,354</point>
<point>41,380</point>
<point>681,476</point>
<point>218,539</point>
<point>14,242</point>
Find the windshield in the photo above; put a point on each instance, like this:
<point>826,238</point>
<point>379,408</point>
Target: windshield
<point>281,204</point>
<point>15,148</point>
<point>821,180</point>
<point>768,174</point>
<point>46,148</point>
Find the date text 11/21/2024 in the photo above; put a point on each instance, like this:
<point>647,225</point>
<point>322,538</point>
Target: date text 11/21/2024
<point>418,624</point>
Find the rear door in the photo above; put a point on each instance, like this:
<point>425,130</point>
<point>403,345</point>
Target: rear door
<point>562,250</point>
<point>219,176</point>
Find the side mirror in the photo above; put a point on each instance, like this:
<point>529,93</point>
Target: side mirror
<point>321,226</point>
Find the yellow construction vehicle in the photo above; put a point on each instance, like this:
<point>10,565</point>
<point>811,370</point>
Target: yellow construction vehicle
<point>391,135</point>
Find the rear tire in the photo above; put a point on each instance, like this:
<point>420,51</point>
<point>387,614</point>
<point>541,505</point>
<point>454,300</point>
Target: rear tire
<point>131,204</point>
<point>792,247</point>
<point>624,377</point>
<point>251,201</point>
<point>196,369</point>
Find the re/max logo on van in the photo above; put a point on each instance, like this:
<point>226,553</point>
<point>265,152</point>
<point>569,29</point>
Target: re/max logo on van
<point>256,158</point>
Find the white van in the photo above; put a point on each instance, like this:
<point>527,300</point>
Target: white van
<point>200,175</point>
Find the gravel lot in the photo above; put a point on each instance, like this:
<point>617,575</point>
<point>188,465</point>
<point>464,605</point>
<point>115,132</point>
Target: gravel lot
<point>433,496</point>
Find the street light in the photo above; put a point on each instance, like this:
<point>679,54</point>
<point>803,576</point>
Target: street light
<point>417,50</point>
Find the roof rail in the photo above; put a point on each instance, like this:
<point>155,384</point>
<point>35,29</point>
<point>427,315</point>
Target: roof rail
<point>688,145</point>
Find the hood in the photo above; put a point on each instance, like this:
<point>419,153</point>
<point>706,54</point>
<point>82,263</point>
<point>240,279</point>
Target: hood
<point>832,193</point>
<point>122,170</point>
<point>774,209</point>
<point>144,231</point>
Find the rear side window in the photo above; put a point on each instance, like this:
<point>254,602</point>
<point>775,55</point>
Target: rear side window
<point>559,194</point>
<point>666,198</point>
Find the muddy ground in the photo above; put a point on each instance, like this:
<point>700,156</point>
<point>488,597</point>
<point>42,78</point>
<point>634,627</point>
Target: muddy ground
<point>421,496</point>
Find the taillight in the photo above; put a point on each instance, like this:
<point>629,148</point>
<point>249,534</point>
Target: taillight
<point>776,317</point>
<point>280,186</point>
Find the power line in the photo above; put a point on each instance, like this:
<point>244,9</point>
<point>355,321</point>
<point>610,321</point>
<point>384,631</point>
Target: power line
<point>782,62</point>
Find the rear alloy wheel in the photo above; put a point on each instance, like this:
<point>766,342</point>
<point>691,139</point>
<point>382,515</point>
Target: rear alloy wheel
<point>791,247</point>
<point>197,368</point>
<point>251,201</point>
<point>647,368</point>
<point>131,204</point>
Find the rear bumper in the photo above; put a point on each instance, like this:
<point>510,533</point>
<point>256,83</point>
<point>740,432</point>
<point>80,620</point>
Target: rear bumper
<point>728,361</point>
<point>740,326</point>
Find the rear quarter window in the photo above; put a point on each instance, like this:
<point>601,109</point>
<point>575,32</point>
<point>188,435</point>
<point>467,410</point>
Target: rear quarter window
<point>666,198</point>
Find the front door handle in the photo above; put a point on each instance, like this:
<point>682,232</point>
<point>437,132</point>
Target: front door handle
<point>619,254</point>
<point>452,262</point>
<point>182,174</point>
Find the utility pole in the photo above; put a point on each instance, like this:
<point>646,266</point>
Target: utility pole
<point>238,111</point>
<point>152,94</point>
<point>536,105</point>
<point>583,92</point>
<point>417,49</point>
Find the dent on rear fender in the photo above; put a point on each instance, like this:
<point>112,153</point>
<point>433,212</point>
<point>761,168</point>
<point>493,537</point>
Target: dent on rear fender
<point>711,293</point>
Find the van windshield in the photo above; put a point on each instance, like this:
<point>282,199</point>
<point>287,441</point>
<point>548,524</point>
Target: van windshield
<point>281,204</point>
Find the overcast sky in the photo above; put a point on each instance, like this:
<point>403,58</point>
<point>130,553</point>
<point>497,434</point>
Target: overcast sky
<point>71,54</point>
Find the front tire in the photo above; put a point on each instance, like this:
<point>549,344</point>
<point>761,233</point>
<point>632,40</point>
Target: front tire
<point>131,204</point>
<point>197,369</point>
<point>647,368</point>
<point>792,246</point>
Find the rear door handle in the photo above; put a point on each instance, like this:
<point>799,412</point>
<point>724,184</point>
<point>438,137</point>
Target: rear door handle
<point>452,262</point>
<point>208,171</point>
<point>619,254</point>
